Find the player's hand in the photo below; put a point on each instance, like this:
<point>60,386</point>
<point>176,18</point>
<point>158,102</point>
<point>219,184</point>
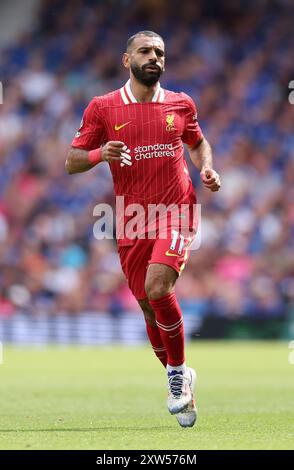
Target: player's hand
<point>210,179</point>
<point>112,150</point>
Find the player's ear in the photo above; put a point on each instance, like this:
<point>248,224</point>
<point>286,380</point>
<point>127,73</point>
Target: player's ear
<point>126,60</point>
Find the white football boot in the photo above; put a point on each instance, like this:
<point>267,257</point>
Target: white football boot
<point>179,392</point>
<point>187,418</point>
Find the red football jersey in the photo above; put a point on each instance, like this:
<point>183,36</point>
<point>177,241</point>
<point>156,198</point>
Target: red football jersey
<point>154,170</point>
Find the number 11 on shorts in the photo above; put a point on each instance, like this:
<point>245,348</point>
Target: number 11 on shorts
<point>175,237</point>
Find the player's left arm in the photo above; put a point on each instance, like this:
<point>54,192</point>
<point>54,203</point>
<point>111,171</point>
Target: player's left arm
<point>198,147</point>
<point>201,156</point>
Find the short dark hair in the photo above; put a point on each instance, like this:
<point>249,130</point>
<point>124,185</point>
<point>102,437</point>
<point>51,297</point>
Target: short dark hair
<point>150,34</point>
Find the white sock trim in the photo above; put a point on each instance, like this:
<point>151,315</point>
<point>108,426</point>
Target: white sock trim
<point>182,368</point>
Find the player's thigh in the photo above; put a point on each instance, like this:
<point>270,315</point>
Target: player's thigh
<point>169,256</point>
<point>172,252</point>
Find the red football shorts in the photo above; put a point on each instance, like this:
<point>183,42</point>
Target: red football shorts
<point>135,259</point>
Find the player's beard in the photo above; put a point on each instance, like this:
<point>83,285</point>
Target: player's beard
<point>145,77</point>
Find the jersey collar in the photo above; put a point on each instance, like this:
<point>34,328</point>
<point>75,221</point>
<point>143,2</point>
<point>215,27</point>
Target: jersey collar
<point>128,97</point>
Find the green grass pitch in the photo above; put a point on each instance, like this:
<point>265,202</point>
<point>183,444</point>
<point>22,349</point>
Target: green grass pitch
<point>115,398</point>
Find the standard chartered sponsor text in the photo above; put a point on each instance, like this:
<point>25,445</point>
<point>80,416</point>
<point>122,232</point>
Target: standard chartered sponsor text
<point>154,151</point>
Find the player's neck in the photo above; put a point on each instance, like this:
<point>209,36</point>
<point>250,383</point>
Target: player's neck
<point>142,93</point>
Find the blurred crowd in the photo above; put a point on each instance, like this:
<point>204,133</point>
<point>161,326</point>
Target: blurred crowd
<point>236,60</point>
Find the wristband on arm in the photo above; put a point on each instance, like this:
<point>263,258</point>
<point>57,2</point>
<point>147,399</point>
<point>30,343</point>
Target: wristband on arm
<point>95,156</point>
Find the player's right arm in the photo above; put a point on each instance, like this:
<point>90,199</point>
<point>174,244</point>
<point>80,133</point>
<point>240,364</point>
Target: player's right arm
<point>87,147</point>
<point>79,160</point>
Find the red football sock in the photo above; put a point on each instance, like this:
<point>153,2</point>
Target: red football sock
<point>156,343</point>
<point>169,320</point>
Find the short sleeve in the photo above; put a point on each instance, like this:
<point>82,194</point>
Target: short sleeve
<point>91,133</point>
<point>192,134</point>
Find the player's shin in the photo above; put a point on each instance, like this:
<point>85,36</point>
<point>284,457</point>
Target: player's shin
<point>156,343</point>
<point>169,320</point>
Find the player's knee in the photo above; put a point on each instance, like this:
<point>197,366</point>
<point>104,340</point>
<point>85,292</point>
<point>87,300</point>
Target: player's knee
<point>159,281</point>
<point>155,290</point>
